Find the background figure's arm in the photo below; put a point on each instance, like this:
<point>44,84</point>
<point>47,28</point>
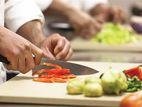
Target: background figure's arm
<point>78,19</point>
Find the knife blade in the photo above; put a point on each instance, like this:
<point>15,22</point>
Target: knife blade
<point>74,68</point>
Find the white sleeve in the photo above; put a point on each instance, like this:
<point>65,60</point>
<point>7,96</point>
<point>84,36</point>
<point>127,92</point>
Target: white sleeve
<point>19,12</point>
<point>43,4</point>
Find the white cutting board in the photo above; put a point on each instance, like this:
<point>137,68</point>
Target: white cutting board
<point>22,89</point>
<point>80,44</point>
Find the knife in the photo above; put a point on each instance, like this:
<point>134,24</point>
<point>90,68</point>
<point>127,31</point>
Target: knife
<point>74,68</point>
<point>4,60</point>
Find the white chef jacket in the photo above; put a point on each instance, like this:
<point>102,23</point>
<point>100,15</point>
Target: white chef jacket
<point>18,12</point>
<point>43,4</point>
<point>15,13</point>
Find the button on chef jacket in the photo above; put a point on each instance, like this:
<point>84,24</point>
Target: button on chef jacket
<point>14,14</point>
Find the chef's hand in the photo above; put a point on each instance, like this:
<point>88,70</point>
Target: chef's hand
<point>18,51</point>
<point>53,46</point>
<point>104,13</point>
<point>56,47</point>
<point>84,25</point>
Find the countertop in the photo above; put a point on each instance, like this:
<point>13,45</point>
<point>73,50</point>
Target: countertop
<point>22,91</point>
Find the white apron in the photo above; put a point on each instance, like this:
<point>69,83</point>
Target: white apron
<point>1,12</point>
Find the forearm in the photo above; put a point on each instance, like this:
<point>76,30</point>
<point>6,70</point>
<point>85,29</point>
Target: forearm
<point>32,31</point>
<point>62,8</point>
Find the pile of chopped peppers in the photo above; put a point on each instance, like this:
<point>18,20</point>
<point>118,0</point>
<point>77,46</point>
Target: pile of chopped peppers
<point>53,75</point>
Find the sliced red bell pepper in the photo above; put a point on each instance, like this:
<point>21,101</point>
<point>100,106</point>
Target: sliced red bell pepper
<point>56,74</point>
<point>40,72</point>
<point>132,72</point>
<point>59,71</point>
<point>48,80</point>
<point>140,73</point>
<point>47,76</point>
<point>136,71</point>
<point>52,71</point>
<point>53,65</point>
<point>69,76</point>
<point>59,80</point>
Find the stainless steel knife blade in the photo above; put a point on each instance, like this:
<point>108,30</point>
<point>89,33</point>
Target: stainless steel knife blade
<point>75,68</point>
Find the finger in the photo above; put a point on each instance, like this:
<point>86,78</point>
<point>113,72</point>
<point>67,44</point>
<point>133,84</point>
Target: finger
<point>59,46</point>
<point>83,34</point>
<point>13,63</point>
<point>86,33</point>
<point>115,14</point>
<point>101,19</point>
<point>38,54</point>
<point>96,26</point>
<point>64,52</point>
<point>48,54</point>
<point>69,54</point>
<point>29,62</point>
<point>122,16</point>
<point>21,64</point>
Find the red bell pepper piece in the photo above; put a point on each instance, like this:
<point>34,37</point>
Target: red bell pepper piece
<point>136,71</point>
<point>47,76</point>
<point>48,80</point>
<point>58,71</point>
<point>140,73</point>
<point>69,76</point>
<point>53,65</point>
<point>132,72</point>
<point>52,71</point>
<point>59,80</point>
<point>40,72</point>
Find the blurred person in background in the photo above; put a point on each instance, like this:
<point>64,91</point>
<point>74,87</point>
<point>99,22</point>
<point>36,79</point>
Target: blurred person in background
<point>26,19</point>
<point>85,16</point>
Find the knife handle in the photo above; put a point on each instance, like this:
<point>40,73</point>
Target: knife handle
<point>4,59</point>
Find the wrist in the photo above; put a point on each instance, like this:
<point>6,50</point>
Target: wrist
<point>32,31</point>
